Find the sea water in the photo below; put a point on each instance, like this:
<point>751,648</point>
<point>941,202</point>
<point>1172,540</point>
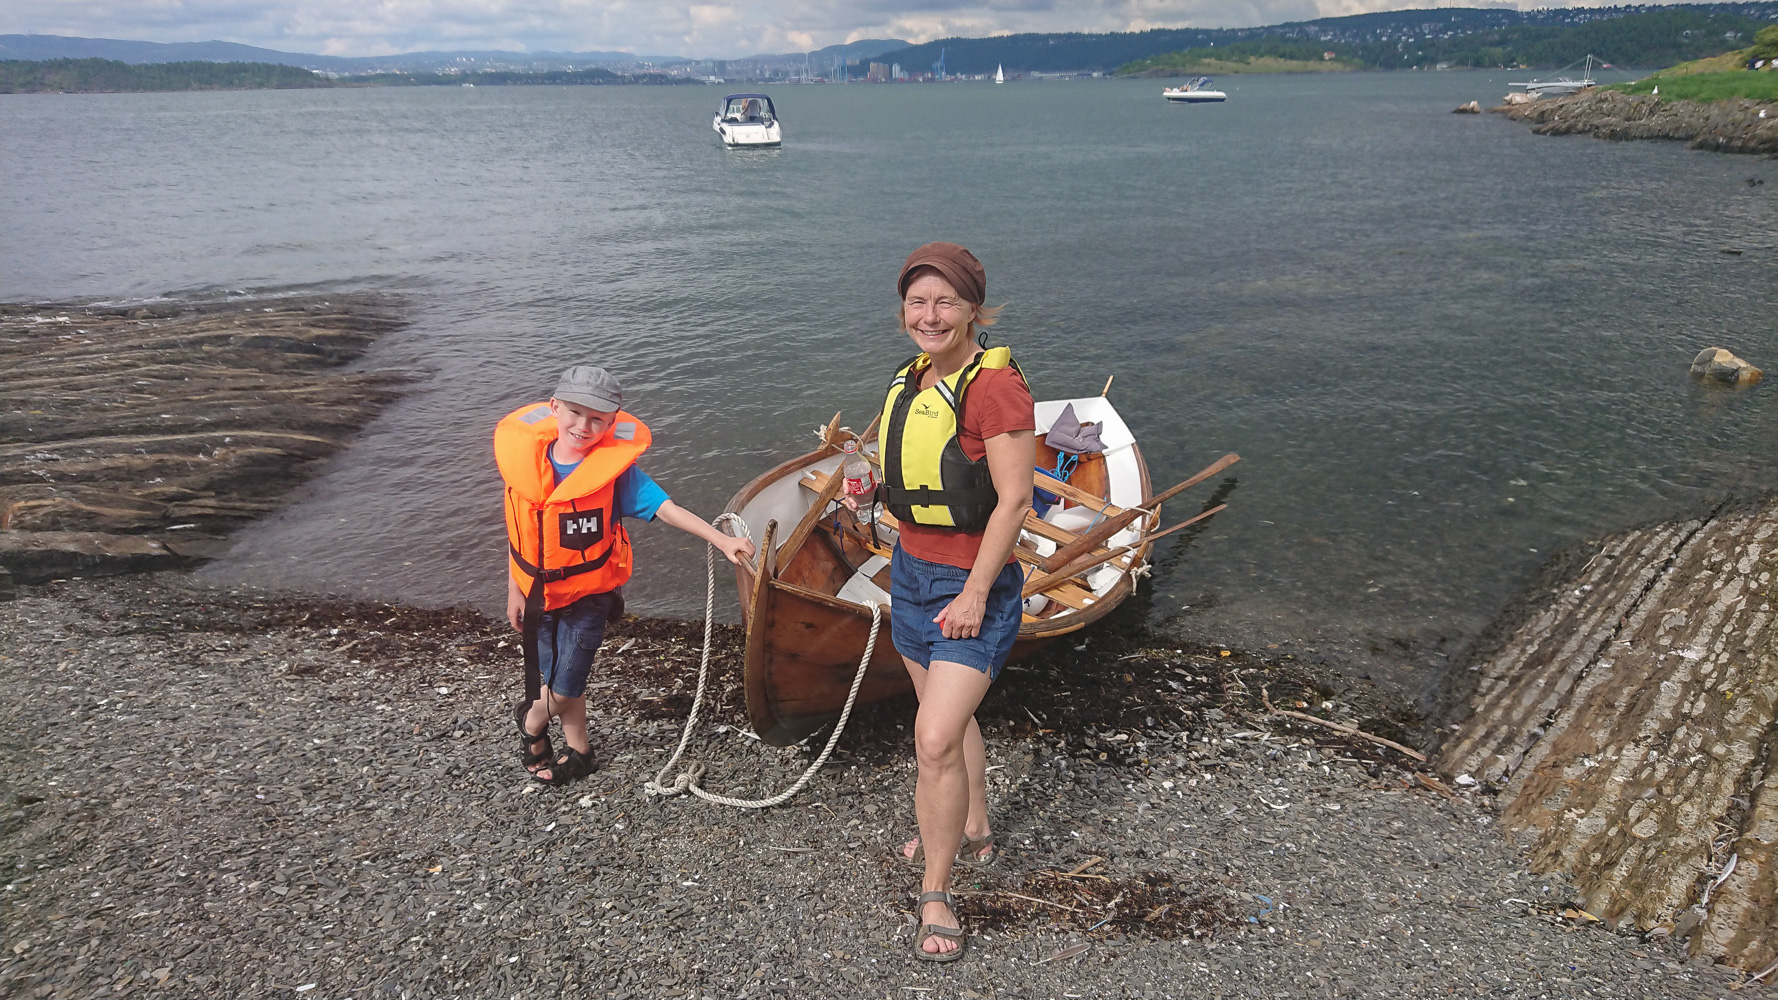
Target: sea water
<point>1443,346</point>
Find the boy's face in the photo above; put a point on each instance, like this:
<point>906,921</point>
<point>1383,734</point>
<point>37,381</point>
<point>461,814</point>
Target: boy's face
<point>579,427</point>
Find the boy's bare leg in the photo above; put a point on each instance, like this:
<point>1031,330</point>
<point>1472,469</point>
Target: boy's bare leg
<point>975,758</point>
<point>572,712</point>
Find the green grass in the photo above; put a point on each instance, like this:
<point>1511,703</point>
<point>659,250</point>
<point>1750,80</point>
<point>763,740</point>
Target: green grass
<point>1760,86</point>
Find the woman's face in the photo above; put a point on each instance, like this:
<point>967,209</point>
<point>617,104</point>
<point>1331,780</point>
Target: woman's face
<point>935,316</point>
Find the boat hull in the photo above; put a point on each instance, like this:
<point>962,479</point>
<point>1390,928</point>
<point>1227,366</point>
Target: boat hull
<point>748,135</point>
<point>804,644</point>
<point>1196,97</point>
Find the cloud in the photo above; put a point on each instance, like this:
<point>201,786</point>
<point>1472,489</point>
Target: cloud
<point>711,30</point>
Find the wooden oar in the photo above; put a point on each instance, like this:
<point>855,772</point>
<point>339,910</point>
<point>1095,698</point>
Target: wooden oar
<point>1090,560</point>
<point>1093,538</point>
<point>811,517</point>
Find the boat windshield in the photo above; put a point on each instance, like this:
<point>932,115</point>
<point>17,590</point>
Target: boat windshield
<point>748,108</point>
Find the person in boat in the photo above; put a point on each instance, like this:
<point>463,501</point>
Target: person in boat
<point>958,444</point>
<point>571,477</point>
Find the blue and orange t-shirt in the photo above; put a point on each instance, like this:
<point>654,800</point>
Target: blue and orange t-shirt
<point>635,494</point>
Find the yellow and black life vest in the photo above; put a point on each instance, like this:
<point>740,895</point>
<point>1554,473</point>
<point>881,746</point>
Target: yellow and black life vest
<point>930,481</point>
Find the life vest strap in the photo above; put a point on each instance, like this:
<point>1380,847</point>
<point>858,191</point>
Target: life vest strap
<point>554,575</point>
<point>926,496</point>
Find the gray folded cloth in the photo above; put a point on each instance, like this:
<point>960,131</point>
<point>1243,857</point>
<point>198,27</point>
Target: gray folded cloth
<point>1070,435</point>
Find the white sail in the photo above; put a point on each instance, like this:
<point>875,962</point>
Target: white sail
<point>999,73</point>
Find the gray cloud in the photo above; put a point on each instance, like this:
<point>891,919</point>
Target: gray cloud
<point>710,29</point>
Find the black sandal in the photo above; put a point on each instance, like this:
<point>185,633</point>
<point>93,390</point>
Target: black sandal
<point>533,761</point>
<point>571,765</point>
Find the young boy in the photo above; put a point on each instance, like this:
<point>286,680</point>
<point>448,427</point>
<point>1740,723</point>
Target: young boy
<point>570,472</point>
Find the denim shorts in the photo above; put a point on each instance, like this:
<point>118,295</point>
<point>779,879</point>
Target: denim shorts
<point>919,590</point>
<point>568,638</point>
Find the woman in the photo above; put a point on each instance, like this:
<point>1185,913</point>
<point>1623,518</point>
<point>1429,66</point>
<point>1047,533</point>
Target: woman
<point>958,446</point>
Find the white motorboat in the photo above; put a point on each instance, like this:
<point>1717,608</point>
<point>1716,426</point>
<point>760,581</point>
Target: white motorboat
<point>1560,87</point>
<point>748,120</point>
<point>1196,91</point>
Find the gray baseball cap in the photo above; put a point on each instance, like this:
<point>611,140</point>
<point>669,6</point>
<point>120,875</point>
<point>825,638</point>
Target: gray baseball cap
<point>592,387</point>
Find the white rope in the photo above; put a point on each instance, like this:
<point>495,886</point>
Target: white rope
<point>689,778</point>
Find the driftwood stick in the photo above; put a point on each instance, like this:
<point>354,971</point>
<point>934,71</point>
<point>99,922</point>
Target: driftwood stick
<point>1266,698</point>
<point>1107,388</point>
<point>1015,895</point>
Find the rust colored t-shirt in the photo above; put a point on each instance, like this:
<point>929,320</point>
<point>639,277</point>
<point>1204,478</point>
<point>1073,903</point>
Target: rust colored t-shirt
<point>998,402</point>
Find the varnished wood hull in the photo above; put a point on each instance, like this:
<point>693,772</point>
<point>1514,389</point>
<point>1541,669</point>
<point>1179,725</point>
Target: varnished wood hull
<point>803,645</point>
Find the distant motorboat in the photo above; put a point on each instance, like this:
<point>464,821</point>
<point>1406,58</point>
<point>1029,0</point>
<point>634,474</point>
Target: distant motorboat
<point>1196,91</point>
<point>748,120</point>
<point>1561,87</point>
<point>999,73</point>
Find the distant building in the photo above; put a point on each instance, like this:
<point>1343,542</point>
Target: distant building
<point>879,73</point>
<point>895,72</point>
<point>1328,56</point>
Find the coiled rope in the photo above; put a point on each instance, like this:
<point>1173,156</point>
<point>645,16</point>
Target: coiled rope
<point>694,773</point>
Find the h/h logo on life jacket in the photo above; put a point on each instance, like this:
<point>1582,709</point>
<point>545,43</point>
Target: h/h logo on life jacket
<point>581,529</point>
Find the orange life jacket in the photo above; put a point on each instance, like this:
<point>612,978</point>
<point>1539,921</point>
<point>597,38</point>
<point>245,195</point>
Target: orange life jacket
<point>565,534</point>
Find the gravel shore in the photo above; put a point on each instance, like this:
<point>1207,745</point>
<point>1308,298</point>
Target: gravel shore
<point>241,794</point>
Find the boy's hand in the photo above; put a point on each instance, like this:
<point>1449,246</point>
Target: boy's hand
<point>515,607</point>
<point>736,549</point>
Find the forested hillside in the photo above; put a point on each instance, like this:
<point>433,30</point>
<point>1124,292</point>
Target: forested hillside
<point>104,76</point>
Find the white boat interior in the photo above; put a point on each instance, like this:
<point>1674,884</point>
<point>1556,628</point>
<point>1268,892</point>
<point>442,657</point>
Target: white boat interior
<point>787,498</point>
<point>748,120</point>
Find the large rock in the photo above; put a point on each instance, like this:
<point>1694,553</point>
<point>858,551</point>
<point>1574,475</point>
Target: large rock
<point>1718,365</point>
<point>1625,725</point>
<point>41,556</point>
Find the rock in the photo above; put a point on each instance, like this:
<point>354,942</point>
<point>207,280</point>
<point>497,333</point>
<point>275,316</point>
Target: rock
<point>1518,98</point>
<point>1719,365</point>
<point>1472,108</point>
<point>1631,705</point>
<point>1728,126</point>
<point>40,556</point>
<point>177,422</point>
<point>8,591</point>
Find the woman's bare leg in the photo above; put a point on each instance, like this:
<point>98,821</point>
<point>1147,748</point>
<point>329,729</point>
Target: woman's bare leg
<point>942,794</point>
<point>975,756</point>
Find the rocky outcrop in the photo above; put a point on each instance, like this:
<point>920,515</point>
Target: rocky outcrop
<point>1624,729</point>
<point>1718,365</point>
<point>135,438</point>
<point>1731,126</point>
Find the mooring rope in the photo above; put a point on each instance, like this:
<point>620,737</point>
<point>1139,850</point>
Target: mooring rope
<point>694,773</point>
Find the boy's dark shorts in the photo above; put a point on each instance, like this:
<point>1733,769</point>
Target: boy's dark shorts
<point>568,639</point>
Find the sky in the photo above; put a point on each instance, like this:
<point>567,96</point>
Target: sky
<point>696,30</point>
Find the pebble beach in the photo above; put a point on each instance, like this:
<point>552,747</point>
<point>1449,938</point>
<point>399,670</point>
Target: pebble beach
<point>236,793</point>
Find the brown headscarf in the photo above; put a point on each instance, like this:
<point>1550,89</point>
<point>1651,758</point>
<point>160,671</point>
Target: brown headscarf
<point>956,264</point>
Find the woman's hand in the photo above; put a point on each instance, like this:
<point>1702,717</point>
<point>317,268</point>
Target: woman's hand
<point>962,618</point>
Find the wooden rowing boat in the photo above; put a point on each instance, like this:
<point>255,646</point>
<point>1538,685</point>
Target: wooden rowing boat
<point>804,598</point>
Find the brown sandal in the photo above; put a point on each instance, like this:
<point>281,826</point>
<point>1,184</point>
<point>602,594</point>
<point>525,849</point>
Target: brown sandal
<point>928,931</point>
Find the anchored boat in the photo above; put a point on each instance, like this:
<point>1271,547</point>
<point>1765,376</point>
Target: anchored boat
<point>806,600</point>
<point>1562,86</point>
<point>748,120</point>
<point>1198,91</point>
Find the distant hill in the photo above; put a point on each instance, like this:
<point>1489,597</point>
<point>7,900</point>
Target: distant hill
<point>1391,39</point>
<point>123,50</point>
<point>1655,38</point>
<point>106,76</point>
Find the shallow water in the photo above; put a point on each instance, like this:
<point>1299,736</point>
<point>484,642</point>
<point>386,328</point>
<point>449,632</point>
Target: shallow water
<point>1443,346</point>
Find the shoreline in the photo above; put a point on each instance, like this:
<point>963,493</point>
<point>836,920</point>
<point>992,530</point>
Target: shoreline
<point>254,792</point>
<point>1737,125</point>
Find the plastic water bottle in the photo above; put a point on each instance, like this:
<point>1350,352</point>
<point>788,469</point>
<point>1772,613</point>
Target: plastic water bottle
<point>861,482</point>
